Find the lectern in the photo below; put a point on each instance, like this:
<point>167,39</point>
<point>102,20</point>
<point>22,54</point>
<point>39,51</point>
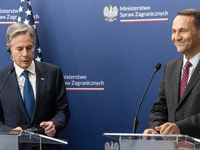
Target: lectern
<point>128,141</point>
<point>10,139</point>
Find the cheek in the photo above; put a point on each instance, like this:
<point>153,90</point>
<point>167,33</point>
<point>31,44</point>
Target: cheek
<point>13,56</point>
<point>32,52</point>
<point>16,56</point>
<point>172,38</point>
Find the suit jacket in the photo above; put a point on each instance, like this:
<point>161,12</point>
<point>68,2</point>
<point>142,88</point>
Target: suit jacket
<point>51,99</point>
<point>185,113</point>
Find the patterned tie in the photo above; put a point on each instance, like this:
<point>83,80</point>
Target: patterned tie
<point>184,79</point>
<point>28,94</point>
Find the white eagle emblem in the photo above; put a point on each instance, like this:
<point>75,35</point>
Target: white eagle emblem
<point>111,146</point>
<point>110,13</point>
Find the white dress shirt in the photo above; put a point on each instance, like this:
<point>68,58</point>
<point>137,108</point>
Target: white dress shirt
<point>21,78</point>
<point>194,61</point>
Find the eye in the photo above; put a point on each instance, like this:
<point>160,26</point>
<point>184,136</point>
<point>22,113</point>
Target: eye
<point>19,49</point>
<point>173,31</point>
<point>29,47</point>
<point>183,30</point>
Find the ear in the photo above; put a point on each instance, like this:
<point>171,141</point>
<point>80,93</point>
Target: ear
<point>8,49</point>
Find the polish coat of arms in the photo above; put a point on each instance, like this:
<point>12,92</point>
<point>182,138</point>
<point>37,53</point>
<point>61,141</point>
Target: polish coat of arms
<point>110,13</point>
<point>111,146</point>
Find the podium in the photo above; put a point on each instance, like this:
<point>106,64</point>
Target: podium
<point>10,139</point>
<point>128,141</point>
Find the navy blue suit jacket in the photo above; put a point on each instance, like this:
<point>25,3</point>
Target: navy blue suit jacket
<point>51,99</point>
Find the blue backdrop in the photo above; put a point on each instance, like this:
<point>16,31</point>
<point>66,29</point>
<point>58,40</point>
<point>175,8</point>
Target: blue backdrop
<point>106,65</point>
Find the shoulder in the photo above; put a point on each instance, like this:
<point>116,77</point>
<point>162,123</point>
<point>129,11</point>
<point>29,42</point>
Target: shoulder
<point>4,71</point>
<point>173,66</point>
<point>45,65</point>
<point>50,69</point>
<point>174,63</point>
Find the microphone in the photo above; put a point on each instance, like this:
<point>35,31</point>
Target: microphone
<point>9,72</point>
<point>36,130</point>
<point>135,124</point>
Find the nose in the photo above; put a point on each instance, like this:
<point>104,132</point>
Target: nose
<point>25,52</point>
<point>177,36</point>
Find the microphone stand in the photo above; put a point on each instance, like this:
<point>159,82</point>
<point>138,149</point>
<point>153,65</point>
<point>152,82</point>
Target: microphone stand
<point>135,124</point>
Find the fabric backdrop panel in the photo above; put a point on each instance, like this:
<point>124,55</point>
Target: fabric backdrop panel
<point>106,62</point>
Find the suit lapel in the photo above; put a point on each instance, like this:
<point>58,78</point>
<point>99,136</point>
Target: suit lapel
<point>176,77</point>
<point>12,80</point>
<point>40,87</point>
<point>193,80</point>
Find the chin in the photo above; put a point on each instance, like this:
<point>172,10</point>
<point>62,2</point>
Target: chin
<point>181,50</point>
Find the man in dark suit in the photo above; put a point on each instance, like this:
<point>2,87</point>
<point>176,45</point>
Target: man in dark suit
<point>177,110</point>
<point>49,109</point>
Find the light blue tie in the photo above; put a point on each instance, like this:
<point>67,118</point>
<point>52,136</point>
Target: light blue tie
<point>28,94</point>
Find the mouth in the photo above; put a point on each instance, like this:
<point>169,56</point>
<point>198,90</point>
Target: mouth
<point>25,61</point>
<point>179,43</point>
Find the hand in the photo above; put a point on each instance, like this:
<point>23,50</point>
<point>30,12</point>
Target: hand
<point>168,128</point>
<point>17,128</point>
<point>150,131</point>
<point>49,128</point>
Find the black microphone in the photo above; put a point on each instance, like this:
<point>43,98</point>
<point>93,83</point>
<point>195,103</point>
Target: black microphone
<point>135,124</point>
<point>9,72</point>
<point>36,130</point>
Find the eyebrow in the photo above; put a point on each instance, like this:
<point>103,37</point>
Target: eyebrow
<point>30,46</point>
<point>25,47</point>
<point>181,29</point>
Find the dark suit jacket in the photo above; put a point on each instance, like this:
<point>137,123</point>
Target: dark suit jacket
<point>185,113</point>
<point>51,99</point>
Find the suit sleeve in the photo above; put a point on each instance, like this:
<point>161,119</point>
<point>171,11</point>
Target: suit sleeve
<point>61,107</point>
<point>190,126</point>
<point>2,125</point>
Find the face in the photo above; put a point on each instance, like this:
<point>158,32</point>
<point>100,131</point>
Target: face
<point>185,36</point>
<point>22,50</point>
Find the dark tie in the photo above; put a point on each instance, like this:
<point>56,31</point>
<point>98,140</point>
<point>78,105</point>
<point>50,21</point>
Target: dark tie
<point>28,94</point>
<point>184,79</point>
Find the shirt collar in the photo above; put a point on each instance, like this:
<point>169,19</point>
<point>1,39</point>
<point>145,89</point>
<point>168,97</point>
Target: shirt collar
<point>19,70</point>
<point>194,60</point>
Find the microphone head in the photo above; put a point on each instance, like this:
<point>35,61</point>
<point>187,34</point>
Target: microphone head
<point>158,66</point>
<point>12,69</point>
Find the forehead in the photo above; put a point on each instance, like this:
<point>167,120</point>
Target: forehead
<point>182,21</point>
<point>22,39</point>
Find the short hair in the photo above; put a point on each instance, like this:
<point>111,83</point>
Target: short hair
<point>192,12</point>
<point>18,29</point>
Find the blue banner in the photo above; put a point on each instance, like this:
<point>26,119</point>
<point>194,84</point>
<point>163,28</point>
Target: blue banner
<point>107,51</point>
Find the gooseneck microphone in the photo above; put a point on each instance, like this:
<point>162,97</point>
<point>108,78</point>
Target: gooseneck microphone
<point>135,124</point>
<point>9,72</point>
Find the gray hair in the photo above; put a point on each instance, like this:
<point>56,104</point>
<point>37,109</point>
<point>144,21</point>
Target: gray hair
<point>18,29</point>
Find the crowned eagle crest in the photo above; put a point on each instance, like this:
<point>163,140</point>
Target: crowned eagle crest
<point>110,13</point>
<point>111,146</point>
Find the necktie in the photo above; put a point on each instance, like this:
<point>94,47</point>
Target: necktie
<point>184,79</point>
<point>28,94</point>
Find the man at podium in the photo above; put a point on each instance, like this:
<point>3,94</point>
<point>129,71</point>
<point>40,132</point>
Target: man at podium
<point>32,94</point>
<point>177,110</point>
